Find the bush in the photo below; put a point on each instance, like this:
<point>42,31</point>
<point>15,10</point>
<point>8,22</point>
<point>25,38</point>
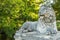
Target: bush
<point>13,13</point>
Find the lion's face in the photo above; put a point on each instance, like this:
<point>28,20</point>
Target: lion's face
<point>47,18</point>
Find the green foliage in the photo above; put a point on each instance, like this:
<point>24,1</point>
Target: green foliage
<point>13,13</point>
<point>58,26</point>
<point>57,9</point>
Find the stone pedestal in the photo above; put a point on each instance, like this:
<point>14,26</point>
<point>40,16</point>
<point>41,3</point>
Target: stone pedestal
<point>37,36</point>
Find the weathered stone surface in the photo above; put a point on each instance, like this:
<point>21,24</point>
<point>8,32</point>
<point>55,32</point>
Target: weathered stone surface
<point>38,36</point>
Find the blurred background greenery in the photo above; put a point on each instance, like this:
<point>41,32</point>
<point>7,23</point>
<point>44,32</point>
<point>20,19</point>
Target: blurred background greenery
<point>13,13</point>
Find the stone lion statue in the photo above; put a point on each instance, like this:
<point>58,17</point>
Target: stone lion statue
<point>47,18</point>
<point>46,23</point>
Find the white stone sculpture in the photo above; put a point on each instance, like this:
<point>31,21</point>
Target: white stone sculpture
<point>43,29</point>
<point>47,18</point>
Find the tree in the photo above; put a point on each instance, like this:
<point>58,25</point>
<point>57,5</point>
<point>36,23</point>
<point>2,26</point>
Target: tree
<point>57,9</point>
